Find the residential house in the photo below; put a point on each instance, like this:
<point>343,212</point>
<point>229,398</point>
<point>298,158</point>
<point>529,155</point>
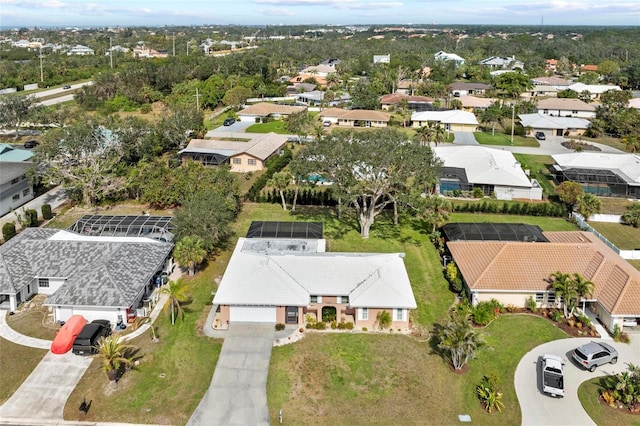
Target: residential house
<point>554,126</point>
<point>552,81</point>
<point>144,52</point>
<point>502,63</point>
<point>80,50</point>
<point>317,98</point>
<point>601,173</point>
<point>452,120</point>
<point>414,103</point>
<point>244,156</point>
<point>495,171</point>
<point>588,68</point>
<point>595,90</point>
<point>444,56</point>
<point>565,107</point>
<point>307,78</point>
<point>96,277</point>
<point>287,280</point>
<point>472,104</point>
<point>15,188</point>
<point>257,112</point>
<point>321,70</point>
<point>363,118</point>
<point>300,88</point>
<point>406,87</point>
<point>540,91</point>
<point>514,271</point>
<point>460,89</point>
<point>551,65</point>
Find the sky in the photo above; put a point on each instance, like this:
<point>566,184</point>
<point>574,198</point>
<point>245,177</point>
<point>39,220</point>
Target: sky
<point>29,13</point>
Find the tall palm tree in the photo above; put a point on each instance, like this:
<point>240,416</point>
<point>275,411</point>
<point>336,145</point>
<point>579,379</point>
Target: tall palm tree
<point>584,287</point>
<point>588,205</point>
<point>177,292</point>
<point>114,355</point>
<point>190,251</point>
<point>280,181</point>
<point>439,133</point>
<point>424,135</point>
<point>563,287</point>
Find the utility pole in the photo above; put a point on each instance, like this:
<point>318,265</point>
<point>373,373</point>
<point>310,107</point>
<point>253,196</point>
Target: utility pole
<point>174,44</point>
<point>513,116</point>
<point>110,53</point>
<point>187,48</point>
<point>197,99</point>
<point>41,70</point>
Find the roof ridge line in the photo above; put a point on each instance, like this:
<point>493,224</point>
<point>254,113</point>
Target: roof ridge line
<point>624,290</point>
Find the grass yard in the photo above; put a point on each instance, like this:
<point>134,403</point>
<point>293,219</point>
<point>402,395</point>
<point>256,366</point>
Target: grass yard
<point>22,362</point>
<point>502,139</point>
<point>609,141</point>
<point>601,414</point>
<point>69,216</point>
<point>546,223</point>
<point>625,237</point>
<point>355,379</point>
<point>34,320</point>
<point>277,126</point>
<point>539,166</point>
<point>635,263</point>
<point>613,205</point>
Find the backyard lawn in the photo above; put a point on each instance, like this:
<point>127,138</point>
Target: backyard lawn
<point>601,414</point>
<point>625,237</point>
<point>539,166</point>
<point>17,363</point>
<point>546,223</point>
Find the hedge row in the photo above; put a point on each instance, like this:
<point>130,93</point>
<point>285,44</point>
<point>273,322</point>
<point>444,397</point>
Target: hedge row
<point>274,165</point>
<point>523,209</point>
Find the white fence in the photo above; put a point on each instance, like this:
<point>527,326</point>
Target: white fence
<point>625,254</point>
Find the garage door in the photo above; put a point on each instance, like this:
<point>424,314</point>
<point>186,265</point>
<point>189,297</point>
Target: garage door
<point>253,314</point>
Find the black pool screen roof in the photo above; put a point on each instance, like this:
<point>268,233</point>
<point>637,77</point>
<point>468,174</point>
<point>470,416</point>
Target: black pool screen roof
<point>156,227</point>
<point>492,232</point>
<point>308,230</point>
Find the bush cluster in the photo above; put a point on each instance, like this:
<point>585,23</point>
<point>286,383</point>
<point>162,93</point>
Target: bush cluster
<point>279,327</point>
<point>46,211</point>
<point>522,209</point>
<point>31,217</point>
<point>274,165</point>
<point>8,231</point>
<point>485,312</point>
<point>306,196</point>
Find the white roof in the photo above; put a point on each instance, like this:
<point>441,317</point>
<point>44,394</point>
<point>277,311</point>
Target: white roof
<point>447,117</point>
<point>593,88</point>
<point>72,236</point>
<point>539,121</point>
<point>626,166</point>
<point>634,103</point>
<point>290,278</point>
<point>484,165</point>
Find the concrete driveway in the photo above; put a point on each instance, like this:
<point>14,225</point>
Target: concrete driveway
<point>464,138</point>
<point>539,409</point>
<point>238,394</point>
<point>44,393</point>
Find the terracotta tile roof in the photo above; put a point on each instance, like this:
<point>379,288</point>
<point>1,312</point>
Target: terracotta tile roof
<point>522,266</point>
<point>395,98</point>
<point>258,145</point>
<point>565,104</point>
<point>332,112</point>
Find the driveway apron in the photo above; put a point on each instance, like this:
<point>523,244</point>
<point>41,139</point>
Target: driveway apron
<point>238,394</point>
<point>464,138</point>
<point>44,393</point>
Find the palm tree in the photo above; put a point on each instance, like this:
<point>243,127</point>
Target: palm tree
<point>436,211</point>
<point>424,134</point>
<point>588,205</point>
<point>584,288</point>
<point>563,287</point>
<point>632,142</point>
<point>439,132</point>
<point>281,181</point>
<point>190,251</point>
<point>458,340</point>
<point>177,292</point>
<point>632,215</point>
<point>114,355</point>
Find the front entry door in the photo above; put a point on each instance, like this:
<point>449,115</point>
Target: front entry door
<point>292,314</point>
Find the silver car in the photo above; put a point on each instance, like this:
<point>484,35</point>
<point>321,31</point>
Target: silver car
<point>595,354</point>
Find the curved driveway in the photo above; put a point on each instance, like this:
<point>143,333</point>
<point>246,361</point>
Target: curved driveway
<point>539,409</point>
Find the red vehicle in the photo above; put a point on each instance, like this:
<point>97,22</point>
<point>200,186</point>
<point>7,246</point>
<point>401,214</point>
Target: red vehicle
<point>67,334</point>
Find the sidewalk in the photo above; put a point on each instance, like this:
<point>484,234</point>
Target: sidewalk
<point>55,197</point>
<point>11,335</point>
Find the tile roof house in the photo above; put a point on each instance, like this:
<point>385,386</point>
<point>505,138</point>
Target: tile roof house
<point>452,120</point>
<point>553,81</point>
<point>355,117</point>
<point>511,272</point>
<point>472,103</point>
<point>414,103</point>
<point>460,88</point>
<point>96,277</point>
<point>495,171</point>
<point>15,189</point>
<point>285,281</point>
<point>565,107</point>
<point>540,91</point>
<point>554,126</point>
<point>243,156</point>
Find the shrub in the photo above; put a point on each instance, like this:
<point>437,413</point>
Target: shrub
<point>311,325</point>
<point>383,319</point>
<point>279,327</point>
<point>31,217</point>
<point>531,304</point>
<point>341,325</point>
<point>349,326</point>
<point>334,325</point>
<point>146,109</point>
<point>489,394</point>
<point>584,319</point>
<point>321,326</point>
<point>46,211</point>
<point>365,329</point>
<point>477,192</point>
<point>556,315</point>
<point>483,313</point>
<point>8,231</point>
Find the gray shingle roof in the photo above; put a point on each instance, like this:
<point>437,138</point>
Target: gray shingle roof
<point>98,273</point>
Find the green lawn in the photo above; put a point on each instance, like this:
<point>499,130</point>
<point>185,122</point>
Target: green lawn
<point>329,378</point>
<point>635,264</point>
<point>17,363</point>
<point>546,223</point>
<point>274,126</point>
<point>486,138</point>
<point>539,166</point>
<point>625,237</point>
<point>601,414</point>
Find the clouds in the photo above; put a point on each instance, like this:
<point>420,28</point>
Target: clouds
<point>256,12</point>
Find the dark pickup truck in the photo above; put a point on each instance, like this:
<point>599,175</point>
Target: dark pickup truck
<point>553,375</point>
<point>86,341</point>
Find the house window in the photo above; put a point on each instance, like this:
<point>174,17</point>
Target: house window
<point>316,299</point>
<point>398,314</point>
<point>43,282</point>
<point>26,192</point>
<point>575,111</point>
<point>546,111</point>
<point>343,299</point>
<point>551,298</point>
<point>14,181</point>
<point>364,313</point>
<point>16,197</point>
<point>252,162</point>
<point>237,161</point>
<point>539,297</point>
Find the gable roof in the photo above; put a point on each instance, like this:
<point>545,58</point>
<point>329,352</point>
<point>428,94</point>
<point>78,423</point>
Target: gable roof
<point>288,278</point>
<point>267,108</point>
<point>109,272</point>
<point>627,166</point>
<point>484,165</point>
<point>522,266</point>
<point>475,102</point>
<point>453,116</point>
<point>461,85</point>
<point>259,145</point>
<point>539,121</point>
<point>396,98</point>
<point>593,88</point>
<point>565,104</point>
<point>365,114</point>
<point>13,170</point>
<point>11,154</point>
<point>551,81</point>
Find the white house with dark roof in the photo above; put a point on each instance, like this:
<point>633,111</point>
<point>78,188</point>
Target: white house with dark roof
<point>286,280</point>
<point>495,171</point>
<point>96,277</point>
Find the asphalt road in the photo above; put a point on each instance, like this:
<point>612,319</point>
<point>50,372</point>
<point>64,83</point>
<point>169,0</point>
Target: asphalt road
<point>51,92</point>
